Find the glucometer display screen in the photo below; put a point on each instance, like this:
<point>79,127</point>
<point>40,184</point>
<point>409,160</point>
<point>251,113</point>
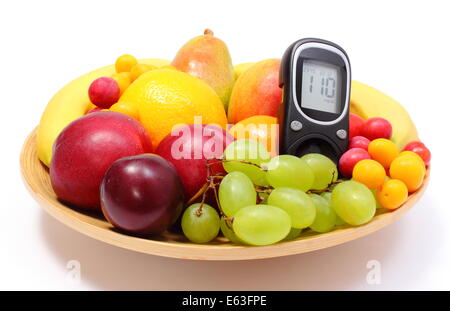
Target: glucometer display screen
<point>321,86</point>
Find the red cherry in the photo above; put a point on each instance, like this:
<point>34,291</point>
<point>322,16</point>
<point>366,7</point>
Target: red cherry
<point>413,144</point>
<point>359,142</point>
<point>419,148</point>
<point>349,159</point>
<point>104,92</point>
<point>356,125</point>
<point>377,128</point>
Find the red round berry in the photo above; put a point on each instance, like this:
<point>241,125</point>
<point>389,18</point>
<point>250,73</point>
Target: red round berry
<point>104,92</point>
<point>359,142</point>
<point>356,124</point>
<point>377,128</point>
<point>349,159</point>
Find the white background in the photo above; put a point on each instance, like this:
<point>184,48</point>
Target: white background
<point>400,47</point>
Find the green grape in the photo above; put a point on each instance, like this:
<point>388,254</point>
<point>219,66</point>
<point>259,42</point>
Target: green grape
<point>294,233</point>
<point>228,232</point>
<point>289,171</point>
<point>374,192</point>
<point>236,191</point>
<point>296,203</point>
<point>327,196</point>
<point>200,226</point>
<point>261,224</point>
<point>247,150</point>
<point>353,202</point>
<point>325,216</point>
<point>325,171</point>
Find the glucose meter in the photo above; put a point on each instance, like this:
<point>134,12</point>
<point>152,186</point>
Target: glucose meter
<point>314,116</point>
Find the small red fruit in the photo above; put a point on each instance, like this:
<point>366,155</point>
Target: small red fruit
<point>356,125</point>
<point>359,142</point>
<point>420,149</point>
<point>377,128</point>
<point>104,92</point>
<point>349,159</point>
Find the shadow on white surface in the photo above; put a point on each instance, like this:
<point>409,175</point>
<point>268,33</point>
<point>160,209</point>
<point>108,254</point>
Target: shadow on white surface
<point>341,267</point>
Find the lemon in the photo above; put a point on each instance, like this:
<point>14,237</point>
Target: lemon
<point>168,98</point>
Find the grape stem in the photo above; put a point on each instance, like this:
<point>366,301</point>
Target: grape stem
<point>221,160</point>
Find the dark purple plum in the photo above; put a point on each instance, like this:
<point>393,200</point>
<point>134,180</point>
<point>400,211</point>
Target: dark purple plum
<point>142,195</point>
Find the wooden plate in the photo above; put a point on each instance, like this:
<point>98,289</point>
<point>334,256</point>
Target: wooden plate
<point>37,179</point>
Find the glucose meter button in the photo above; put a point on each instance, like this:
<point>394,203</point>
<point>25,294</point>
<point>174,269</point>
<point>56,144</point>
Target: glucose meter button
<point>342,134</point>
<point>296,125</point>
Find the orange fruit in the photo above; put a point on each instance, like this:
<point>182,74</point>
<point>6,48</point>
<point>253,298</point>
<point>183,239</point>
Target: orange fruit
<point>410,169</point>
<point>264,129</point>
<point>170,98</point>
<point>127,108</point>
<point>383,151</point>
<point>392,194</point>
<point>370,173</point>
<point>139,69</point>
<point>411,153</point>
<point>123,79</point>
<point>125,62</point>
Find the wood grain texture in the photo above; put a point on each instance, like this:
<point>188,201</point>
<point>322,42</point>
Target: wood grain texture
<point>37,179</point>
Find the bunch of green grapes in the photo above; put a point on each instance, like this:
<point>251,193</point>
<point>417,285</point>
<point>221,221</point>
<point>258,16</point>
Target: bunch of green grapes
<point>290,188</point>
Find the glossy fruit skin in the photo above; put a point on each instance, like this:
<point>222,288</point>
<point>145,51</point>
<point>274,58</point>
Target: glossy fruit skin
<point>127,109</point>
<point>247,150</point>
<point>104,92</point>
<point>86,148</point>
<point>384,151</point>
<point>157,95</point>
<point>264,129</point>
<point>207,57</point>
<point>125,62</point>
<point>281,169</point>
<point>261,224</point>
<point>198,143</point>
<point>325,171</point>
<point>200,225</point>
<point>353,202</point>
<point>256,92</point>
<point>293,234</point>
<point>349,159</point>
<point>139,69</point>
<point>377,127</point>
<point>410,169</point>
<point>359,142</point>
<point>236,191</point>
<point>123,79</point>
<point>325,215</point>
<point>370,173</point>
<point>419,148</point>
<point>141,194</point>
<point>356,125</point>
<point>296,203</point>
<point>392,194</point>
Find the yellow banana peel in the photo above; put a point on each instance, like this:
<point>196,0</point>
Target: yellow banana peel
<point>368,102</point>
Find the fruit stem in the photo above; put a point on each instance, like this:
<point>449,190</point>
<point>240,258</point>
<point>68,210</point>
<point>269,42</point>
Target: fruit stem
<point>208,32</point>
<point>219,160</point>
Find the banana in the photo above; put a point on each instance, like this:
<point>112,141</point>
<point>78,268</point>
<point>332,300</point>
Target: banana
<point>70,103</point>
<point>368,102</point>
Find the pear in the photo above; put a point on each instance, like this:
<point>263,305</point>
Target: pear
<point>208,58</point>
